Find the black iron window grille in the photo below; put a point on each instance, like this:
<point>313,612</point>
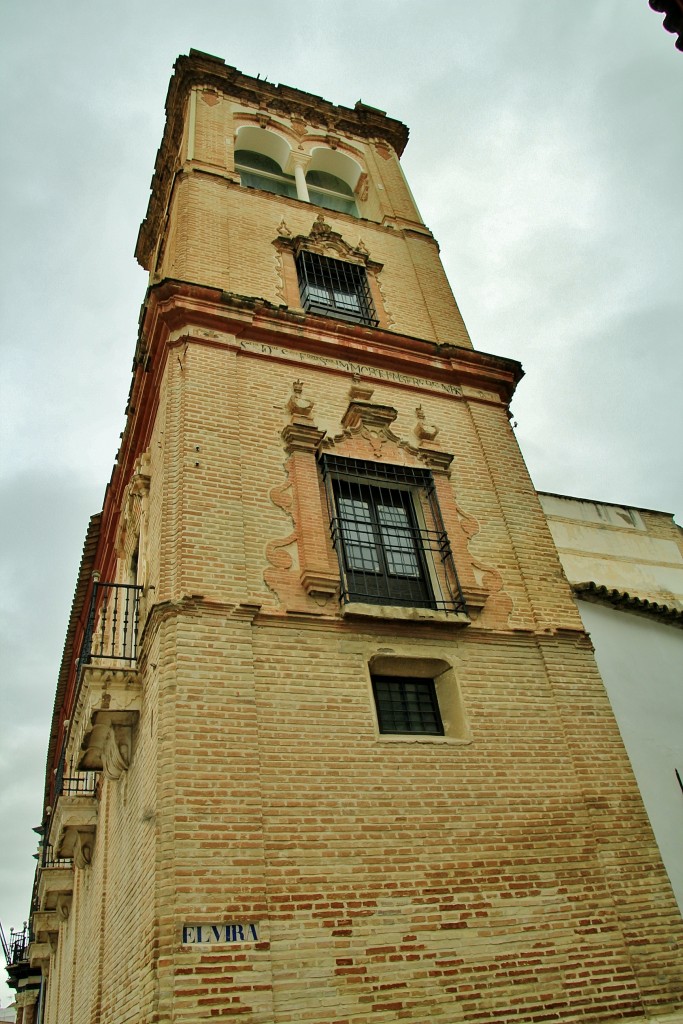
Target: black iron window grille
<point>389,536</point>
<point>112,628</point>
<point>335,288</point>
<point>407,705</point>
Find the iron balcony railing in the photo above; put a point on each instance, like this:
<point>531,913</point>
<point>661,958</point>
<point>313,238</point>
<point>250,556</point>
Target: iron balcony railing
<point>16,947</point>
<point>47,858</point>
<point>73,783</point>
<point>78,784</point>
<point>112,628</point>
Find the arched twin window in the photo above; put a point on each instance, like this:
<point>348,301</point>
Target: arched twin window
<point>260,156</point>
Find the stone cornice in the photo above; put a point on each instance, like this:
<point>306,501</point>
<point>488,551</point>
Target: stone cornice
<point>173,306</point>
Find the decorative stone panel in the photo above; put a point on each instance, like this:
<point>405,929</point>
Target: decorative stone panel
<point>106,719</point>
<point>73,828</point>
<point>55,886</point>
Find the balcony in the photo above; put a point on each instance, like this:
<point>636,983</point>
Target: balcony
<point>109,691</point>
<point>21,976</point>
<point>111,633</point>
<point>74,819</point>
<point>16,947</point>
<point>45,926</point>
<point>55,883</point>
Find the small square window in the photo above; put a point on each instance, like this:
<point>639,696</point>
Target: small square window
<point>417,700</point>
<point>335,288</point>
<point>407,705</point>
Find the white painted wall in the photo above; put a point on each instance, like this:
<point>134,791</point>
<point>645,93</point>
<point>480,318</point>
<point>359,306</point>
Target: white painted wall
<point>641,663</point>
<point>625,549</point>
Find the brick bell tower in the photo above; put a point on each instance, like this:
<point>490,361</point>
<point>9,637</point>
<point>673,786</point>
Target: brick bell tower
<point>329,741</point>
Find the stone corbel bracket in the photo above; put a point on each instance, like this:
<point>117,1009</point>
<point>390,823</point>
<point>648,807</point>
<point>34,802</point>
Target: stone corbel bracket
<point>117,748</point>
<point>107,719</point>
<point>74,828</point>
<point>45,925</point>
<point>39,954</point>
<point>370,415</point>
<point>55,886</point>
<point>84,840</point>
<point>63,906</point>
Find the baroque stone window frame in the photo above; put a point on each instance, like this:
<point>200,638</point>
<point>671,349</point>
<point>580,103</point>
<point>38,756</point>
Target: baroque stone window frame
<point>325,242</point>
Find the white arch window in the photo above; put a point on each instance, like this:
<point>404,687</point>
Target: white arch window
<point>329,179</point>
<point>256,170</point>
<point>260,156</point>
<point>330,192</point>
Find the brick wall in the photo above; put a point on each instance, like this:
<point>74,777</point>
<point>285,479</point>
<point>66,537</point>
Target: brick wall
<point>504,871</point>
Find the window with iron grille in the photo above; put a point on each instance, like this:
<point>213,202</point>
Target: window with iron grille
<point>389,536</point>
<point>335,288</point>
<point>407,705</point>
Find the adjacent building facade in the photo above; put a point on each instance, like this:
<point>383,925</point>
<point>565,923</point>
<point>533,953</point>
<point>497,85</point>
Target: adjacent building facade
<point>329,742</point>
<point>625,566</point>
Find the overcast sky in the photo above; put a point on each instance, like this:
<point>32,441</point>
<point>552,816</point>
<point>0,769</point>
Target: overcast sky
<point>545,155</point>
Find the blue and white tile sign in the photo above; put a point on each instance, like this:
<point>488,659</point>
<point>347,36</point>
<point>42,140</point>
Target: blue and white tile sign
<point>219,934</point>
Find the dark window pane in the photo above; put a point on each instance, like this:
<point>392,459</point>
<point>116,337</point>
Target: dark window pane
<point>260,171</point>
<point>329,201</point>
<point>359,537</point>
<point>278,186</point>
<point>406,705</point>
<point>330,182</point>
<point>397,539</point>
<point>388,534</point>
<point>335,288</point>
<point>379,545</point>
<point>257,161</point>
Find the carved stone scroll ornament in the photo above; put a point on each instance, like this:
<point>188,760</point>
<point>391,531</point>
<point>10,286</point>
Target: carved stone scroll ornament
<point>83,847</point>
<point>360,390</point>
<point>313,576</point>
<point>323,240</point>
<point>116,751</point>
<point>423,430</point>
<point>278,575</point>
<point>27,997</point>
<point>63,908</point>
<point>370,423</point>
